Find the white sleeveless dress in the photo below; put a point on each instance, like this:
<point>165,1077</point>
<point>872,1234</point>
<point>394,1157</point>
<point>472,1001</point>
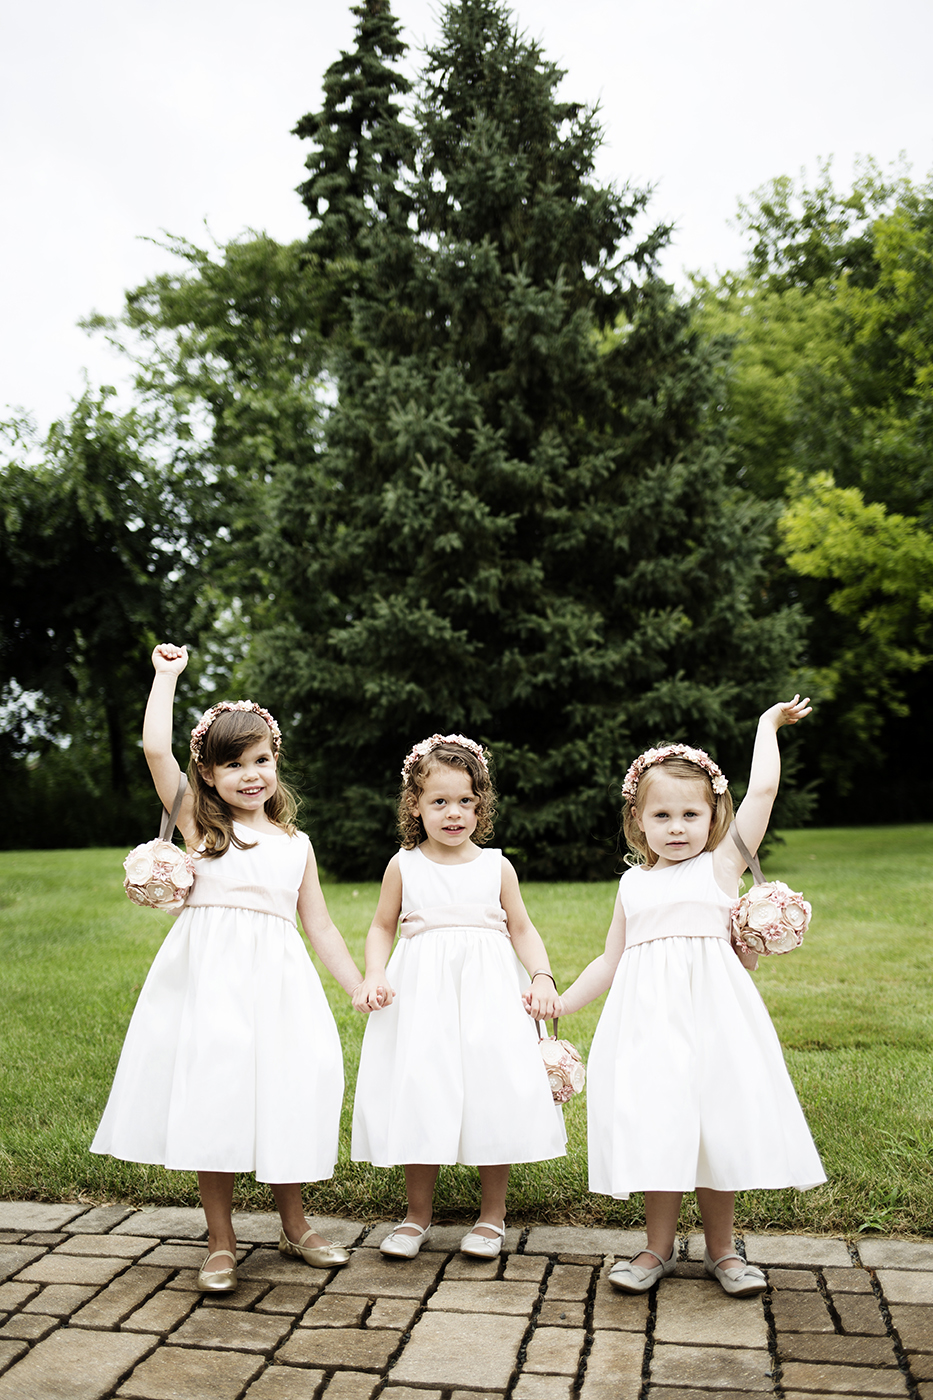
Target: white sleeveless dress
<point>232,1061</point>
<point>686,1082</point>
<point>451,1071</point>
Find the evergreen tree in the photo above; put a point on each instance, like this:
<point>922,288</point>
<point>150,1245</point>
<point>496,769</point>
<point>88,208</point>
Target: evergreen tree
<point>355,191</point>
<point>521,528</point>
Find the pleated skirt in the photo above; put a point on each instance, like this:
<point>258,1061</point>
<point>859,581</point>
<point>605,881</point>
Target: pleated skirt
<point>686,1081</point>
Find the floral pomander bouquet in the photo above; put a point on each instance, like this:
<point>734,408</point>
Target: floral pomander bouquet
<point>770,918</point>
<point>564,1065</point>
<point>159,875</point>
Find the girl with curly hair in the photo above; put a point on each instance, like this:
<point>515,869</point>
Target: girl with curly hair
<point>450,1069</point>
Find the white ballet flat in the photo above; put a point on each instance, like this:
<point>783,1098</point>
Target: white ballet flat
<point>404,1246</point>
<point>478,1246</point>
<point>627,1277</point>
<point>741,1282</point>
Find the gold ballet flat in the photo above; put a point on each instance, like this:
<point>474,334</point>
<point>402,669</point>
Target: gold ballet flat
<point>217,1280</point>
<point>326,1256</point>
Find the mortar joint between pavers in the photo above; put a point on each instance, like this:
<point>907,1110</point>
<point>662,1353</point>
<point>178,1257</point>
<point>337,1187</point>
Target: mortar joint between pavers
<point>823,1290</point>
<point>589,1337</point>
<point>651,1322</point>
<point>773,1354</point>
<point>521,1354</point>
<point>523,1240</point>
<point>903,1364</point>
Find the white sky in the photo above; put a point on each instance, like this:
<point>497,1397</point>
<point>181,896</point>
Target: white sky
<point>121,118</point>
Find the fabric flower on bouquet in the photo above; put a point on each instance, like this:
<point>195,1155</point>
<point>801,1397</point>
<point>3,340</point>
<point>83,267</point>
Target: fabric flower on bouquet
<point>564,1065</point>
<point>158,875</point>
<point>770,918</point>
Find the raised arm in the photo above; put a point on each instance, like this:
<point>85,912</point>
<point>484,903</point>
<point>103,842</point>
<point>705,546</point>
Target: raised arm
<point>541,999</point>
<point>169,662</point>
<point>764,779</point>
<point>321,931</point>
<point>597,976</point>
<point>374,991</point>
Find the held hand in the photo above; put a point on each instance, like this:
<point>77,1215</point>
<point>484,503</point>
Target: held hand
<point>372,994</point>
<point>169,658</point>
<point>788,711</point>
<point>541,1000</point>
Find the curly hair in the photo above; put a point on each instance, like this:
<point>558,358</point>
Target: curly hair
<point>641,852</point>
<point>231,733</point>
<point>410,826</point>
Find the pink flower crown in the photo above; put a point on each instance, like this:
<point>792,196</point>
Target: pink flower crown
<point>650,757</point>
<point>426,745</point>
<point>225,706</point>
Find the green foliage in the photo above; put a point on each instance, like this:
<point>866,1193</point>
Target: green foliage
<point>89,538</point>
<point>229,359</point>
<point>831,395</point>
<point>520,528</point>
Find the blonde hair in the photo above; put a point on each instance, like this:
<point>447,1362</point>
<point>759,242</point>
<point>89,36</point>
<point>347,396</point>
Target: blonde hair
<point>410,826</point>
<point>230,734</point>
<point>721,803</point>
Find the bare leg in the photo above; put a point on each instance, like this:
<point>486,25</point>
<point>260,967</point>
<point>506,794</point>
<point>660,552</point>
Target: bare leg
<point>216,1190</point>
<point>419,1187</point>
<point>290,1208</point>
<point>661,1211</point>
<point>717,1209</point>
<point>494,1182</point>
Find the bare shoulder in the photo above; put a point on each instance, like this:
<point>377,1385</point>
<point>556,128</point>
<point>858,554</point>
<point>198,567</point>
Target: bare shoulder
<point>509,876</point>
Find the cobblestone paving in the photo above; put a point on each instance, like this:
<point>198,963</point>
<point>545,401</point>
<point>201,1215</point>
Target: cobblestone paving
<point>99,1303</point>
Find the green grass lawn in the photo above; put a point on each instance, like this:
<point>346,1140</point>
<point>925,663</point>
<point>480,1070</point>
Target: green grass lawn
<point>852,1008</point>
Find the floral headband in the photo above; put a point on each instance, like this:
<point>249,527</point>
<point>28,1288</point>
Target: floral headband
<point>650,757</point>
<point>426,745</point>
<point>231,706</point>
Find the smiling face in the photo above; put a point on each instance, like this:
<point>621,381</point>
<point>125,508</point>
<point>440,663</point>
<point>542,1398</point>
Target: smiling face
<point>675,815</point>
<point>245,783</point>
<point>447,808</point>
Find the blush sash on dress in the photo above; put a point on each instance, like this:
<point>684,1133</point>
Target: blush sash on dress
<point>490,916</point>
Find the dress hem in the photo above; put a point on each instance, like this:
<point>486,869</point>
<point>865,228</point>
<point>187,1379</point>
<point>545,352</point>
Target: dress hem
<point>176,1167</point>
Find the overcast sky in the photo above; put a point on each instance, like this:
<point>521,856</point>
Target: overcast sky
<point>122,118</point>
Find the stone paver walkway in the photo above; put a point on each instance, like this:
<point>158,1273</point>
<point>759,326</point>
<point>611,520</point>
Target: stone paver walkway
<point>101,1302</point>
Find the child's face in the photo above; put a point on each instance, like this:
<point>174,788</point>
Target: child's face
<point>247,782</point>
<point>447,806</point>
<point>676,816</point>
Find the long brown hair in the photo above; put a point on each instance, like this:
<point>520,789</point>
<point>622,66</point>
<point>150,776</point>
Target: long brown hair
<point>641,852</point>
<point>410,825</point>
<point>232,732</point>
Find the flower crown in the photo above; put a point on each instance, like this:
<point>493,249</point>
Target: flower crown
<point>247,706</point>
<point>650,757</point>
<point>426,745</point>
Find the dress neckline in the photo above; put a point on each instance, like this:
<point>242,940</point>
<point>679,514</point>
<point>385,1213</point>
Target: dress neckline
<point>254,831</point>
<point>674,865</point>
<point>451,864</point>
